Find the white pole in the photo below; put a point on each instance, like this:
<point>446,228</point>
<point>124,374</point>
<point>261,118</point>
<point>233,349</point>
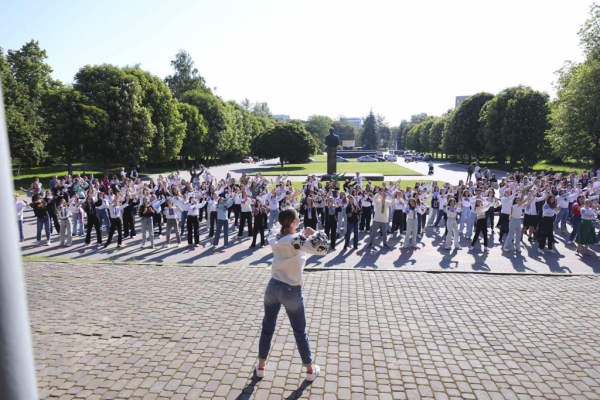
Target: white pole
<point>17,372</point>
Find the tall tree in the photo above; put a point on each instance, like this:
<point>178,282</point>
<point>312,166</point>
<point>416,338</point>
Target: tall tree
<point>261,110</point>
<point>574,115</point>
<point>514,124</point>
<point>129,131</point>
<point>196,130</point>
<point>589,34</point>
<point>246,104</point>
<point>286,141</point>
<point>70,123</point>
<point>369,138</point>
<point>463,134</point>
<point>435,135</point>
<point>169,129</point>
<point>186,77</point>
<point>318,126</point>
<point>25,80</point>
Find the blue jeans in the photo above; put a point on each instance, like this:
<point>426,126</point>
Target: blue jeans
<point>352,227</point>
<point>440,215</point>
<point>21,236</point>
<point>471,221</point>
<point>463,220</point>
<point>43,223</point>
<point>279,293</point>
<point>222,224</point>
<point>562,218</point>
<point>103,217</point>
<point>183,218</point>
<point>273,217</point>
<point>75,223</point>
<point>576,222</point>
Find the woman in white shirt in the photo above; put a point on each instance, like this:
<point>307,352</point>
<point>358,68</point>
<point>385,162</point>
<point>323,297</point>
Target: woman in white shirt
<point>285,287</point>
<point>549,210</point>
<point>586,234</point>
<point>452,210</point>
<point>413,212</point>
<point>514,223</point>
<point>480,208</point>
<point>20,206</point>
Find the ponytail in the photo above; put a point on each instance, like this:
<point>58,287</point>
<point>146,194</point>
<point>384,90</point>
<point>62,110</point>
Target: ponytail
<point>286,217</point>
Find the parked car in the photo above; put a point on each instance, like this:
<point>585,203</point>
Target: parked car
<point>341,159</point>
<point>419,157</point>
<point>380,158</point>
<point>408,158</point>
<point>247,160</point>
<point>427,158</point>
<point>379,153</point>
<point>391,157</point>
<point>301,160</point>
<point>367,159</point>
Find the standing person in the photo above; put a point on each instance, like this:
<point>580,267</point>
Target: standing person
<point>146,215</point>
<point>170,212</point>
<point>115,210</point>
<point>66,239</point>
<point>586,234</point>
<point>412,212</point>
<point>366,202</point>
<point>514,223</point>
<point>285,287</point>
<point>331,215</point>
<point>129,216</point>
<point>43,219</point>
<point>341,202</point>
<point>470,170</point>
<point>245,214</point>
<point>506,200</point>
<point>274,200</point>
<point>77,216</point>
<point>576,217</point>
<point>549,211</point>
<point>481,224</point>
<point>90,209</point>
<point>102,211</point>
<point>451,226</point>
<point>51,208</point>
<point>222,222</point>
<point>20,206</point>
<point>353,212</point>
<point>382,205</point>
<point>259,212</point>
<point>193,211</point>
<point>157,218</point>
<point>398,207</point>
<point>309,213</point>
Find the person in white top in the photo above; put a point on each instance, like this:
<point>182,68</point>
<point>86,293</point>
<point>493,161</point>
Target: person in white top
<point>413,213</point>
<point>452,209</point>
<point>480,208</point>
<point>382,205</point>
<point>20,206</point>
<point>170,212</point>
<point>64,216</point>
<point>285,287</point>
<point>514,224</point>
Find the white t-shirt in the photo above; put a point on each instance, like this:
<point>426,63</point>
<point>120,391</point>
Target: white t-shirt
<point>20,206</point>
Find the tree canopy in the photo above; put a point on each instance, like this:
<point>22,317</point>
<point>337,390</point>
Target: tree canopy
<point>286,141</point>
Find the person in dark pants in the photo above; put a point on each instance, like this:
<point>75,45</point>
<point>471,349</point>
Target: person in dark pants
<point>353,212</point>
<point>89,207</point>
<point>549,211</point>
<point>212,208</point>
<point>129,216</point>
<point>115,223</point>
<point>193,210</point>
<point>331,215</point>
<point>43,220</point>
<point>259,213</point>
<point>50,201</point>
<point>245,214</point>
<point>481,224</point>
<point>367,212</point>
<point>309,214</point>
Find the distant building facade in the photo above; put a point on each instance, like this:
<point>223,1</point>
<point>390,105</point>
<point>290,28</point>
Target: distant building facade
<point>356,122</point>
<point>283,117</point>
<point>459,99</point>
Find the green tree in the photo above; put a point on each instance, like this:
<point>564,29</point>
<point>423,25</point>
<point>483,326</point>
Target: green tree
<point>25,80</point>
<point>435,135</point>
<point>196,130</point>
<point>514,124</point>
<point>318,126</point>
<point>418,118</point>
<point>344,130</point>
<point>286,141</point>
<point>129,131</point>
<point>261,110</point>
<point>369,138</point>
<point>575,130</point>
<point>589,34</point>
<point>463,134</point>
<point>70,123</point>
<point>246,104</point>
<point>214,111</point>
<point>169,129</point>
<point>186,77</point>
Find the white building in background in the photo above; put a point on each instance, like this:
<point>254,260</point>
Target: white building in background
<point>283,117</point>
<point>356,122</point>
<point>459,99</point>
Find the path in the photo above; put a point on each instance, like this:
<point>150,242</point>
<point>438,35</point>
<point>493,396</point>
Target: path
<point>166,332</point>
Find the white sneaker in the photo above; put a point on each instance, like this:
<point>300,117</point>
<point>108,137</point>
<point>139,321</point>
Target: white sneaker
<point>570,242</point>
<point>551,251</point>
<point>471,248</point>
<point>48,243</point>
<point>178,244</point>
<point>540,251</point>
<point>259,371</point>
<point>313,375</point>
<point>160,236</point>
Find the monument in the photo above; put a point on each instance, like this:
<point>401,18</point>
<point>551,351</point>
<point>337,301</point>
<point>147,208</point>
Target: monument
<point>332,141</point>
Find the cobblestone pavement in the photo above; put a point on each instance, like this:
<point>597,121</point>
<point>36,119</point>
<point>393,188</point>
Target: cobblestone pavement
<point>172,332</point>
<point>428,256</point>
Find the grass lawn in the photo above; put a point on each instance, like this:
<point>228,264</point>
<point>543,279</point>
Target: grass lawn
<point>564,168</point>
<point>320,167</point>
<point>404,183</point>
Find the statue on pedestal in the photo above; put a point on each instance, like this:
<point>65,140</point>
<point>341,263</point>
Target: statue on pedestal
<point>332,141</point>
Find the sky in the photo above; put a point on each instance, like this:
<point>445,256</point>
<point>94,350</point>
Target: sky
<point>334,58</point>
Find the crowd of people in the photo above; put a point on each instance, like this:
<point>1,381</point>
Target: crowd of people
<point>520,206</point>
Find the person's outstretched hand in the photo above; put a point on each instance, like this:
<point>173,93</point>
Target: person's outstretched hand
<point>308,232</point>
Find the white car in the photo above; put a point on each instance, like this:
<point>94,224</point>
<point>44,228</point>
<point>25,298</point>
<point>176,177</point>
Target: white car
<point>367,159</point>
<point>391,157</point>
